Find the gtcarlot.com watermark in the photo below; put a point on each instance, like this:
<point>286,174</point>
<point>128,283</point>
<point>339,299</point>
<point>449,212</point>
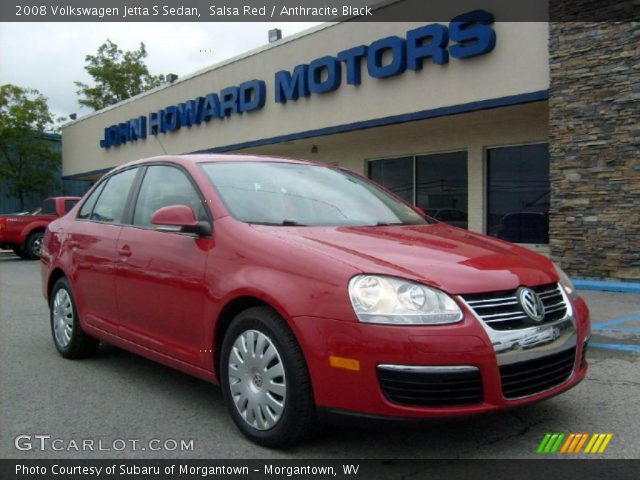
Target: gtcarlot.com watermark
<point>49,443</point>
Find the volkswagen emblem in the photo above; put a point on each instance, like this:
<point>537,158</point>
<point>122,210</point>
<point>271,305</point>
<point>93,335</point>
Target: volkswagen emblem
<point>531,304</point>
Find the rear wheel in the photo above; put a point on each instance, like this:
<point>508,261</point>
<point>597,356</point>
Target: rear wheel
<point>264,379</point>
<point>17,249</point>
<point>33,247</point>
<point>68,337</point>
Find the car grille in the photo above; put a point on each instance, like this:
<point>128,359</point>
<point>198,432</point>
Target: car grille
<point>502,311</point>
<point>535,376</point>
<point>430,389</point>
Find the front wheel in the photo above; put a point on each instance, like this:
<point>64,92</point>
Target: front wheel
<point>68,337</point>
<point>264,379</point>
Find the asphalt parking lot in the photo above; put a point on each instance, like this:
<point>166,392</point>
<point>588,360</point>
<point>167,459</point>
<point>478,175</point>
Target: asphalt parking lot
<point>117,395</point>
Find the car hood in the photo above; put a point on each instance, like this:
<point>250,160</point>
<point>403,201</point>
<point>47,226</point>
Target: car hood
<point>452,259</point>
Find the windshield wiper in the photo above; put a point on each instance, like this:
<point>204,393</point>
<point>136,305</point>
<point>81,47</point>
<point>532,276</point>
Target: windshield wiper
<point>284,223</point>
<point>388,224</point>
<point>292,223</point>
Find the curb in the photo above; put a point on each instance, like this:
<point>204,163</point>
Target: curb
<point>606,286</point>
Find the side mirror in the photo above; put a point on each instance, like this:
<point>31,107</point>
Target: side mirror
<point>179,218</point>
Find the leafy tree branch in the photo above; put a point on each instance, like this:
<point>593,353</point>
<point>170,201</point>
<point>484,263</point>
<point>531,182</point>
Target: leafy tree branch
<point>118,75</point>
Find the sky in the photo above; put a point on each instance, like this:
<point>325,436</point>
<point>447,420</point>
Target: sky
<point>50,56</point>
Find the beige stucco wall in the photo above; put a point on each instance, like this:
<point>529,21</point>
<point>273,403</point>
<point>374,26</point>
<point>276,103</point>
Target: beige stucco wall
<point>518,64</point>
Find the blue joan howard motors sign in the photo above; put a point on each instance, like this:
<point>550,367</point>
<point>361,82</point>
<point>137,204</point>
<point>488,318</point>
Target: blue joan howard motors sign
<point>466,36</point>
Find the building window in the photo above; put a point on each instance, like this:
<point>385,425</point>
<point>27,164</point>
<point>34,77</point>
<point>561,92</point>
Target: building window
<point>395,174</point>
<point>441,186</point>
<point>437,183</point>
<point>518,190</point>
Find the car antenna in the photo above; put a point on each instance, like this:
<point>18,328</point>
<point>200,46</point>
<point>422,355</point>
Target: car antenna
<point>161,145</point>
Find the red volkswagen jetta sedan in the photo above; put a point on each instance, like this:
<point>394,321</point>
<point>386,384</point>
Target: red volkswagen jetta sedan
<point>303,289</point>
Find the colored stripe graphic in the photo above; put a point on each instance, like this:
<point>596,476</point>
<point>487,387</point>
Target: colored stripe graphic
<point>598,443</point>
<point>565,447</point>
<point>543,443</point>
<point>577,443</point>
<point>572,443</point>
<point>550,443</point>
<point>555,447</point>
<point>604,445</point>
<point>581,443</point>
<point>591,442</point>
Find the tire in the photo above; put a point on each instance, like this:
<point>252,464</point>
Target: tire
<point>252,395</point>
<point>33,246</point>
<point>68,337</point>
<point>19,252</point>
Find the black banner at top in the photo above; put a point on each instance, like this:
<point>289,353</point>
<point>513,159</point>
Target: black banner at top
<point>312,10</point>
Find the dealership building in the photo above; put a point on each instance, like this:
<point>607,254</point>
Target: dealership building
<point>528,131</point>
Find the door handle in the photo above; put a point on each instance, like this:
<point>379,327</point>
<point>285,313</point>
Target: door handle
<point>124,251</point>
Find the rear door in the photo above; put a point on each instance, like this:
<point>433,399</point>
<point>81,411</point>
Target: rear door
<point>92,240</point>
<point>160,275</point>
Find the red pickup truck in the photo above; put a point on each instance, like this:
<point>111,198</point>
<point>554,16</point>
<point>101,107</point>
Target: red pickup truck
<point>23,233</point>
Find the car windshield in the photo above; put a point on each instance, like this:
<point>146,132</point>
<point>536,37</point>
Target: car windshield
<point>278,193</point>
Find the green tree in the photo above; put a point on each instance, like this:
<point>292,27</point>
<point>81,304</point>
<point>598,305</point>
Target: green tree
<point>118,75</point>
<point>27,162</point>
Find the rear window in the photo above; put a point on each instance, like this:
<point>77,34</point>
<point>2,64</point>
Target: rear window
<point>49,207</point>
<point>87,206</point>
<point>111,204</point>
<point>69,204</point>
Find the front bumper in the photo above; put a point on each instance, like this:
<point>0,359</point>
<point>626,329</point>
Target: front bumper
<point>468,344</point>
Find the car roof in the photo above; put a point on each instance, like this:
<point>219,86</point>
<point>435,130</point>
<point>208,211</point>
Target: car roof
<point>207,158</point>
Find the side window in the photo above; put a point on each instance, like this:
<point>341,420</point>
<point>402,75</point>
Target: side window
<point>48,207</point>
<point>113,199</point>
<point>87,206</point>
<point>163,186</point>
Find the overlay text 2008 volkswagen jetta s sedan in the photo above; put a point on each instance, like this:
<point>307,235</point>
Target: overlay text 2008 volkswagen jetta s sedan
<point>303,289</point>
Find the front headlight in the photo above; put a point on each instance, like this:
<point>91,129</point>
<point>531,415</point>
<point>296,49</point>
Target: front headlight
<point>388,300</point>
<point>566,282</point>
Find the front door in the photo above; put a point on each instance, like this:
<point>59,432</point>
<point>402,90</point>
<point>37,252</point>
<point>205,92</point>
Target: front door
<point>160,275</point>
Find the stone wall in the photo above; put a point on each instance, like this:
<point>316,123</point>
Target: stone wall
<point>594,135</point>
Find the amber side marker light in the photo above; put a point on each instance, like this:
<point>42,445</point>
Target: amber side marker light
<point>346,363</point>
